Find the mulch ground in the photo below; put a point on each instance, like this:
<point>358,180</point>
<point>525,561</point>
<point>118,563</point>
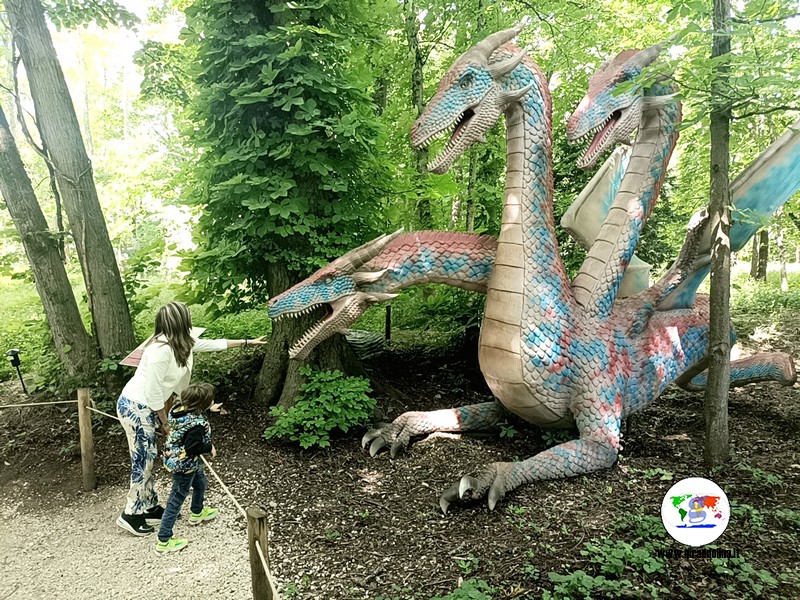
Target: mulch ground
<point>344,525</point>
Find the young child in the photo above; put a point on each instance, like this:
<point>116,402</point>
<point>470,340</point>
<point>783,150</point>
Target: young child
<point>190,436</point>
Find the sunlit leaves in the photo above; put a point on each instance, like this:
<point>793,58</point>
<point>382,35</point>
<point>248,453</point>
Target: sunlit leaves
<point>75,13</point>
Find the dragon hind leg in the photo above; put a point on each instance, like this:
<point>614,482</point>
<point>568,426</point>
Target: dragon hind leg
<point>596,449</point>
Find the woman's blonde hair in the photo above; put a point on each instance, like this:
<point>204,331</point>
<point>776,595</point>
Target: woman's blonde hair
<point>174,322</point>
<point>198,397</point>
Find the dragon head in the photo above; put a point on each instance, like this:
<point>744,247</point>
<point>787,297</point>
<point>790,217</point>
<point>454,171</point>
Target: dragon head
<point>336,286</point>
<point>605,111</point>
<point>470,98</point>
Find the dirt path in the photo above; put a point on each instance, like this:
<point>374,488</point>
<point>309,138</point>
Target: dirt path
<point>76,551</point>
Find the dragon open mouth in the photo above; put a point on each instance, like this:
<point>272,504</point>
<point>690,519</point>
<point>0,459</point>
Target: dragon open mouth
<point>339,314</point>
<point>456,129</point>
<point>601,135</point>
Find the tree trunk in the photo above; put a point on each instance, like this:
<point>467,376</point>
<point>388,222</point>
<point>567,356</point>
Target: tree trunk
<point>423,208</point>
<point>754,257</point>
<point>717,447</point>
<point>279,379</point>
<point>58,123</point>
<point>763,255</point>
<point>782,259</point>
<point>73,345</point>
<point>472,189</point>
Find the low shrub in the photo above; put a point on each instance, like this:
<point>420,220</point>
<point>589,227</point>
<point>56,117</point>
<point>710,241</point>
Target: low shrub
<point>328,400</point>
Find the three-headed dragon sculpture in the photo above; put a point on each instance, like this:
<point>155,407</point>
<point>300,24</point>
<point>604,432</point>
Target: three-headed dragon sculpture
<point>554,351</point>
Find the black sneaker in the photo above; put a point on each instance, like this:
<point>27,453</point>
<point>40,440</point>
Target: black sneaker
<point>134,524</point>
<point>154,515</point>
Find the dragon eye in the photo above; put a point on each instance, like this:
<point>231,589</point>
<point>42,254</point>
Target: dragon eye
<point>329,280</point>
<point>467,81</point>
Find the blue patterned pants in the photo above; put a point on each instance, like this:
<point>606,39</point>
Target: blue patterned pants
<point>139,423</point>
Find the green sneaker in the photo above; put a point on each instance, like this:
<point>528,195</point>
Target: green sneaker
<point>171,545</point>
<point>207,514</point>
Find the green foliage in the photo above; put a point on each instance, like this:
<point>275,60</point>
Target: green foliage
<point>788,517</point>
<point>760,476</point>
<point>764,297</point>
<point>287,165</point>
<point>247,324</point>
<point>138,267</point>
<point>468,564</point>
<point>431,307</point>
<point>614,558</point>
<point>70,14</point>
<point>618,565</point>
<point>328,400</point>
<point>470,589</point>
<point>756,581</point>
<point>554,437</point>
<point>508,431</point>
<point>163,70</point>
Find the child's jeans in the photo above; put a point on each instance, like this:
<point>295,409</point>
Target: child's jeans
<point>181,483</point>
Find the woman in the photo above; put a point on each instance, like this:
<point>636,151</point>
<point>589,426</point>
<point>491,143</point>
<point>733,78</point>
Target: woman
<point>164,370</point>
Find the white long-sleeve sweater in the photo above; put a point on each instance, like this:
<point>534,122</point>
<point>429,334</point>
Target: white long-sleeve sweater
<point>158,375</point>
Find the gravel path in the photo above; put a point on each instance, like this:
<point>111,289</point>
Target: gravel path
<point>78,552</point>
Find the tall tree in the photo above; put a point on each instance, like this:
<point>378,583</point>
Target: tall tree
<point>288,168</point>
<point>412,28</point>
<point>60,130</point>
<point>72,343</point>
<point>717,447</point>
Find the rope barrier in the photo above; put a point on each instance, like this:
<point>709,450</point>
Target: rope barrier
<point>266,570</point>
<point>100,412</point>
<point>37,403</point>
<point>244,514</point>
<point>260,551</point>
<point>224,487</point>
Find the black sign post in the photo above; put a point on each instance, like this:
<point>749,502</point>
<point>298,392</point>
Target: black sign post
<point>13,358</point>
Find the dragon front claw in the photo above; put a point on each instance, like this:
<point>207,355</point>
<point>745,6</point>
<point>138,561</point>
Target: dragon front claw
<point>494,480</point>
<point>388,436</point>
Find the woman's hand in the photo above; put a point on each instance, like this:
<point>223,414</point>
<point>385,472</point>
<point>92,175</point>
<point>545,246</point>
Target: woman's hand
<point>213,451</point>
<point>258,341</point>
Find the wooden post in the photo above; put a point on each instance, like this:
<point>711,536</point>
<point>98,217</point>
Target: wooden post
<point>258,530</point>
<point>87,442</point>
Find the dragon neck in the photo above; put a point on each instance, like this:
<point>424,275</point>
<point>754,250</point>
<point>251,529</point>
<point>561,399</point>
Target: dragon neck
<point>528,317</point>
<point>597,283</point>
<point>527,241</point>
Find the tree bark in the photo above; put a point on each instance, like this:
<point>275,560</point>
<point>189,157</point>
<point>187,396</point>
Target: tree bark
<point>72,343</point>
<point>472,189</point>
<point>782,259</point>
<point>717,447</point>
<point>754,258</point>
<point>421,155</point>
<point>763,255</point>
<point>58,123</point>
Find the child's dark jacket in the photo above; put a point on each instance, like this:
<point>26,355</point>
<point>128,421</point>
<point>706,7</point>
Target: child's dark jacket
<point>190,437</point>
